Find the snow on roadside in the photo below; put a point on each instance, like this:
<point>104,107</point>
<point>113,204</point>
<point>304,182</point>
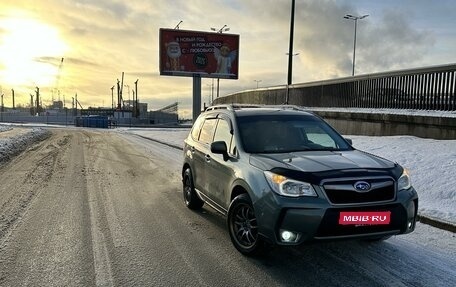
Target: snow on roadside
<point>432,166</point>
<point>12,146</point>
<point>5,128</point>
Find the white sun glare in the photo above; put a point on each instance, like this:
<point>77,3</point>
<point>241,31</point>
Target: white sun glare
<point>24,43</point>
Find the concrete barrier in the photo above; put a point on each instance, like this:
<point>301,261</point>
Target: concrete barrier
<point>349,123</point>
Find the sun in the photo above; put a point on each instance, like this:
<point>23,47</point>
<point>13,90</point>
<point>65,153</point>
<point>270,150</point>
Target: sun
<point>28,49</point>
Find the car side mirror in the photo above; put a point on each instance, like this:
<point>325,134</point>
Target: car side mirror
<point>219,147</point>
<point>349,141</point>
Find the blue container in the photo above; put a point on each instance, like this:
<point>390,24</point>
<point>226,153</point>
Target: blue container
<point>100,122</point>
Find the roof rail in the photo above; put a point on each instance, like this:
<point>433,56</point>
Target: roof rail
<point>232,107</point>
<point>218,107</point>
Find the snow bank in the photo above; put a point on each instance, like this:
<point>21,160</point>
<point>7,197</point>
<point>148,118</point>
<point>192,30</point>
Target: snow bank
<point>12,146</point>
<point>5,128</point>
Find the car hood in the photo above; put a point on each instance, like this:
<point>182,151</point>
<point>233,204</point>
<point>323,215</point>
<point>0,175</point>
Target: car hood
<point>318,161</point>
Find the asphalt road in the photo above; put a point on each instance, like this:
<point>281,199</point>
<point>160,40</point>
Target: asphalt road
<point>98,208</point>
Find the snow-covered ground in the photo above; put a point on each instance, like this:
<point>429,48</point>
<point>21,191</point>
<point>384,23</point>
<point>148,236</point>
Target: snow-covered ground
<point>432,164</point>
<point>17,142</point>
<point>5,128</point>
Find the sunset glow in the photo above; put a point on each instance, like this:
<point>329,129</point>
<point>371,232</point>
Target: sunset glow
<point>27,50</point>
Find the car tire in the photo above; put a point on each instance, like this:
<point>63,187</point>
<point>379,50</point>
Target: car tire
<point>243,227</point>
<point>191,199</point>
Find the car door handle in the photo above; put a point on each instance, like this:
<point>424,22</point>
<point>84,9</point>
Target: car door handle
<point>207,157</point>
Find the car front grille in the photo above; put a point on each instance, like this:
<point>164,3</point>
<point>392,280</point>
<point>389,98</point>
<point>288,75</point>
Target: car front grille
<point>344,191</point>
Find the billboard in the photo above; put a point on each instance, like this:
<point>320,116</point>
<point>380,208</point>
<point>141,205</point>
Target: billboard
<point>189,53</point>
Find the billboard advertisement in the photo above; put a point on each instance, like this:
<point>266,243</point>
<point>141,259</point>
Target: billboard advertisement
<point>189,53</point>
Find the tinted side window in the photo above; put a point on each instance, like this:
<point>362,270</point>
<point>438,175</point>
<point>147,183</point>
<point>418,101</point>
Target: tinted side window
<point>222,133</point>
<point>196,128</point>
<point>207,131</point>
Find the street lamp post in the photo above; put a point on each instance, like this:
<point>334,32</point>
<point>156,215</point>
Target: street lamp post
<point>112,97</point>
<point>290,47</point>
<point>355,19</point>
<point>290,52</point>
<point>135,100</point>
<point>257,81</point>
<point>221,30</point>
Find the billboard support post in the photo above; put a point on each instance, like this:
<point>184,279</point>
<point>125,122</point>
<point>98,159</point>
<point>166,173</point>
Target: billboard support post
<point>196,96</point>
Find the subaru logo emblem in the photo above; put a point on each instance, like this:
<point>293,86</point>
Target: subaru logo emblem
<point>362,186</point>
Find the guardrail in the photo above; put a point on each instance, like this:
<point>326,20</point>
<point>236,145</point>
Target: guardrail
<point>430,88</point>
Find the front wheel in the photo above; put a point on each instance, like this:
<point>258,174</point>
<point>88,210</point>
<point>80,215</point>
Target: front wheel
<point>191,199</point>
<point>243,226</point>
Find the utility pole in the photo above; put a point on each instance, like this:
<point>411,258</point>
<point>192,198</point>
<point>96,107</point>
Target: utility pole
<point>119,106</point>
<point>136,101</point>
<point>119,93</point>
<point>14,107</point>
<point>1,110</point>
<point>121,90</point>
<point>290,52</point>
<point>31,105</point>
<point>112,97</point>
<point>37,100</point>
<point>134,104</point>
<point>290,48</point>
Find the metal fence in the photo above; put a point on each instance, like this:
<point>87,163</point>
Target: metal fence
<point>431,88</point>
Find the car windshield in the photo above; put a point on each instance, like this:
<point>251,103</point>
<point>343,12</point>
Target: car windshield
<point>288,133</point>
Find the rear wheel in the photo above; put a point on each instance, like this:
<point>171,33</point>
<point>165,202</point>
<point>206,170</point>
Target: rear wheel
<point>191,199</point>
<point>243,226</point>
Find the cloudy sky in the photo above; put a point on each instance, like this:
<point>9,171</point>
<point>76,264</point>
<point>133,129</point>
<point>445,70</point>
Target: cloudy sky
<point>100,39</point>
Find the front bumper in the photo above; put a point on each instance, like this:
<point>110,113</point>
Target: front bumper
<point>314,219</point>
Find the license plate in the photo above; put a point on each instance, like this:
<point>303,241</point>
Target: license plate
<point>365,218</point>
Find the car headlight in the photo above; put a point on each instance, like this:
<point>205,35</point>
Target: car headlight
<point>404,181</point>
<point>289,187</point>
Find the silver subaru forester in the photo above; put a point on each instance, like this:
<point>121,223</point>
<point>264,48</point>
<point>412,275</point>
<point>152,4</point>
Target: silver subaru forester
<point>282,175</point>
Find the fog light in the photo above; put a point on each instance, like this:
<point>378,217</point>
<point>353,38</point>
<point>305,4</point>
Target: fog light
<point>288,236</point>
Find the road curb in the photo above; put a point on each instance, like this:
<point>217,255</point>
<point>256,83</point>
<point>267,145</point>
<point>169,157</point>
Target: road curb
<point>160,142</point>
<point>438,223</point>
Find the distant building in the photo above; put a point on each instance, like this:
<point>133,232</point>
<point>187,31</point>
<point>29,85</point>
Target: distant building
<point>126,116</point>
<point>165,115</point>
<point>142,108</point>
